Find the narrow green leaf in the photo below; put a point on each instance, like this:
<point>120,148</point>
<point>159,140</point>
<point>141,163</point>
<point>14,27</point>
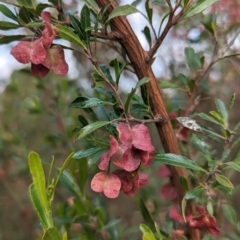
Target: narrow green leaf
<point>91,128</point>
<point>86,152</point>
<point>149,11</point>
<point>146,215</point>
<point>107,73</point>
<point>83,102</point>
<point>167,84</point>
<point>144,228</point>
<point>177,160</point>
<point>65,237</point>
<point>147,34</point>
<point>233,165</point>
<point>112,223</point>
<point>70,36</point>
<point>217,116</point>
<point>193,59</point>
<point>38,177</point>
<point>69,182</point>
<point>142,82</point>
<point>95,157</point>
<point>201,146</point>
<point>41,6</point>
<point>194,193</point>
<point>129,99</point>
<point>104,92</point>
<point>10,38</point>
<point>148,236</point>
<point>41,211</point>
<point>77,25</point>
<point>198,7</point>
<point>222,110</point>
<point>64,166</point>
<point>8,25</point>
<point>122,11</point>
<point>225,154</point>
<point>210,119</point>
<point>233,98</point>
<point>26,3</point>
<point>85,22</point>
<point>83,174</point>
<point>229,213</point>
<point>210,207</point>
<point>223,181</point>
<point>8,13</point>
<point>183,205</point>
<point>24,16</point>
<point>52,234</point>
<point>93,5</point>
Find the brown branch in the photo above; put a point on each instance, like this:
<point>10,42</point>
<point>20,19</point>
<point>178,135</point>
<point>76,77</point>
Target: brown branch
<point>129,41</point>
<point>172,20</point>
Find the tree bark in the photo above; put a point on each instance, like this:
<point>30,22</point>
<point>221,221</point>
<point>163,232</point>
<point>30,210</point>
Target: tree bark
<point>124,34</point>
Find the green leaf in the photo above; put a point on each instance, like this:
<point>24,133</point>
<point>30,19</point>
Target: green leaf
<point>149,11</point>
<point>183,206</point>
<point>148,236</point>
<point>10,38</point>
<point>70,36</point>
<point>85,22</point>
<point>8,25</point>
<point>147,34</point>
<point>223,181</point>
<point>52,234</point>
<point>78,28</point>
<point>229,213</point>
<point>83,102</point>
<point>92,4</point>
<point>209,118</point>
<point>142,82</point>
<point>107,73</point>
<point>24,16</point>
<point>233,98</point>
<point>54,2</point>
<point>83,174</point>
<point>86,152</point>
<point>210,207</point>
<point>193,59</point>
<point>38,177</point>
<point>104,92</point>
<point>41,6</point>
<point>111,224</point>
<point>177,160</point>
<point>69,182</point>
<point>194,193</point>
<point>91,128</point>
<point>198,7</point>
<point>65,237</point>
<point>146,215</point>
<point>144,228</point>
<point>5,11</point>
<point>132,93</point>
<point>233,165</point>
<point>41,211</point>
<point>25,3</point>
<point>222,110</point>
<point>167,84</point>
<point>201,146</point>
<point>225,154</point>
<point>122,11</point>
<point>217,116</point>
